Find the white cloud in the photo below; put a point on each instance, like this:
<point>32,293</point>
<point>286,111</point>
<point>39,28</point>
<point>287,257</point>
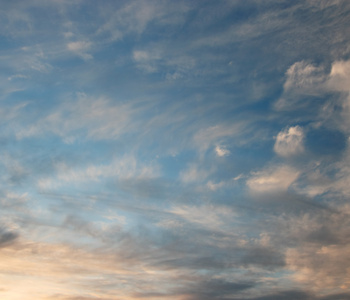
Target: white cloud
<point>289,141</point>
<point>194,174</point>
<point>147,60</point>
<point>140,55</point>
<point>339,77</point>
<point>302,79</point>
<point>304,76</point>
<point>80,48</point>
<point>205,138</point>
<point>214,186</point>
<point>240,176</point>
<point>134,17</point>
<point>221,151</point>
<point>339,81</point>
<point>273,180</point>
<point>20,76</point>
<point>126,167</point>
<point>305,79</point>
<point>208,216</point>
<point>261,25</point>
<point>68,34</point>
<point>99,118</point>
<point>158,57</point>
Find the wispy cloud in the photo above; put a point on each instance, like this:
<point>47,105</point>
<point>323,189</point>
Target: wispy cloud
<point>97,117</point>
<point>80,48</point>
<point>272,180</point>
<point>174,150</point>
<point>123,168</point>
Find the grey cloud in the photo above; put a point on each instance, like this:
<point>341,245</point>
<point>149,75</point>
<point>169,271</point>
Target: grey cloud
<point>62,297</point>
<point>264,257</point>
<point>204,254</point>
<point>301,295</point>
<point>203,289</point>
<point>284,295</point>
<point>7,237</point>
<point>341,296</point>
<point>146,188</point>
<point>288,202</point>
<point>324,235</point>
<point>216,289</point>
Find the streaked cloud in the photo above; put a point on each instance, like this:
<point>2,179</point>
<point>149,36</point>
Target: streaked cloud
<point>272,180</point>
<point>81,48</point>
<point>174,150</point>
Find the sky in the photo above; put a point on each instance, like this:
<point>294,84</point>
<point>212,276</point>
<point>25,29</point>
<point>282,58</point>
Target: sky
<point>179,150</point>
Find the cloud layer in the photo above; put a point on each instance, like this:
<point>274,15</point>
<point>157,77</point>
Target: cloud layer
<point>175,150</point>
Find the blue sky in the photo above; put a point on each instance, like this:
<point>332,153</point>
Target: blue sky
<point>182,150</point>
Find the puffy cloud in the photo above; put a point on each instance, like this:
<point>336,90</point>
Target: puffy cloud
<point>339,77</point>
<point>289,141</point>
<point>305,80</point>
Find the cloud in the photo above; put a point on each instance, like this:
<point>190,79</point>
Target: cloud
<point>216,289</point>
<point>207,216</point>
<point>11,201</point>
<point>205,138</point>
<point>314,243</point>
<point>289,141</point>
<point>306,82</point>
<point>7,237</point>
<point>304,76</point>
<point>286,295</point>
<point>302,80</point>
<point>221,151</point>
<point>80,48</point>
<point>339,76</point>
<point>176,63</point>
<point>214,186</point>
<point>148,61</point>
<point>325,265</point>
<point>272,180</point>
<point>17,76</point>
<point>125,168</point>
<point>143,184</point>
<point>134,17</point>
<point>98,118</point>
<point>194,173</point>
